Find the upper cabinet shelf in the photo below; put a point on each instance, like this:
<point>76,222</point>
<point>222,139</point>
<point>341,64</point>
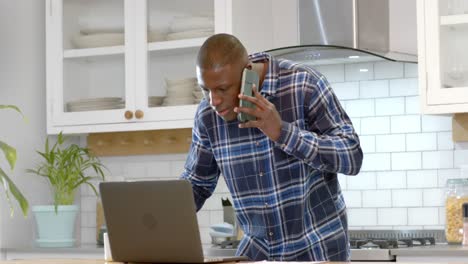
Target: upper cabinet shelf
<point>454,20</point>
<point>91,52</point>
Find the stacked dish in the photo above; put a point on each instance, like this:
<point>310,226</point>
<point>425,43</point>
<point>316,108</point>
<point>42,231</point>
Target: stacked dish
<point>154,101</point>
<point>197,95</point>
<point>91,104</point>
<point>190,27</point>
<point>180,92</point>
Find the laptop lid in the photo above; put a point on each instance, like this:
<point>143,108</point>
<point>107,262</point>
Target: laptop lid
<point>151,221</point>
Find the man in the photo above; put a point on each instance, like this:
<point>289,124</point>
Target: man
<point>281,169</point>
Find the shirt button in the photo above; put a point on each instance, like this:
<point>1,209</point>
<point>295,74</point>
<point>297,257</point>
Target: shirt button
<point>261,174</point>
<point>271,233</point>
<point>258,143</point>
<point>283,145</point>
<point>266,204</point>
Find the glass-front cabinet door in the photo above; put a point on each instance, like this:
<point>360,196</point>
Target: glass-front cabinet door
<point>116,65</point>
<point>169,36</point>
<point>444,42</point>
<point>90,61</point>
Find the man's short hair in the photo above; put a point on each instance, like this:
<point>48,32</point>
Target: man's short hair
<point>220,50</point>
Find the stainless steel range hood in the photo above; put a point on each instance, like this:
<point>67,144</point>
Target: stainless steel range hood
<point>343,30</point>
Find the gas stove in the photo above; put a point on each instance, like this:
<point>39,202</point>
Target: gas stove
<point>376,245</point>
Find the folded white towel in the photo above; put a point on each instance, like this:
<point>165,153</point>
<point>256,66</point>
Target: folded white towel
<point>107,24</point>
<point>180,24</point>
<point>197,33</point>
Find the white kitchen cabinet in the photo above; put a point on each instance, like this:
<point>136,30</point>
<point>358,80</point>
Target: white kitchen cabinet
<point>443,57</point>
<point>112,51</point>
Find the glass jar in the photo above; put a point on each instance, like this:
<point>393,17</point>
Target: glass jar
<point>456,194</point>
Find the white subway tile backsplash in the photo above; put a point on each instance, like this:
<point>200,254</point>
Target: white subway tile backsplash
<point>405,124</point>
<point>433,197</point>
<point>444,141</point>
<point>377,198</point>
<point>367,144</point>
<point>413,105</point>
<point>404,87</point>
<point>376,162</point>
<point>390,106</point>
<point>423,216</point>
<point>360,108</point>
<point>391,179</point>
<point>88,219</point>
<point>88,204</point>
<point>205,235</point>
<point>214,202</point>
<point>216,216</point>
<point>388,70</point>
<point>411,70</point>
<point>433,123</point>
<point>221,187</point>
<point>88,235</point>
<point>406,161</point>
<point>176,168</point>
<point>375,125</point>
<point>334,73</point>
<point>422,178</point>
<point>158,169</point>
<point>359,72</point>
<point>442,215</point>
<point>460,158</point>
<point>390,143</point>
<point>407,198</point>
<point>362,217</point>
<point>412,227</point>
<point>346,90</point>
<point>362,181</point>
<point>113,168</point>
<point>374,89</point>
<point>343,179</point>
<point>352,198</point>
<point>444,174</point>
<point>421,141</point>
<point>392,216</point>
<point>203,218</point>
<point>357,125</point>
<point>438,159</point>
<point>135,170</point>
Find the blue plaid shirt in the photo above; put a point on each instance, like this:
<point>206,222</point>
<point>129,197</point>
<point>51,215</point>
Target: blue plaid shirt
<point>285,194</point>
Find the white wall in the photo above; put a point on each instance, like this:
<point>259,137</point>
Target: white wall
<point>22,82</point>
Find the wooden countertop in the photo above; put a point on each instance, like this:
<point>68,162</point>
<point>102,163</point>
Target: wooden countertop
<point>100,261</point>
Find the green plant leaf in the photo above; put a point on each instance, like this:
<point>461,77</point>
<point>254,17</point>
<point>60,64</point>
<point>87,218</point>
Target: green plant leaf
<point>10,153</point>
<point>67,168</point>
<point>13,107</point>
<point>9,186</point>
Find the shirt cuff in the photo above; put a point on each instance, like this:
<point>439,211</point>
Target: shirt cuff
<point>289,137</point>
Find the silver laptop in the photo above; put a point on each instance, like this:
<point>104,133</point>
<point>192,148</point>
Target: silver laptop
<point>153,221</point>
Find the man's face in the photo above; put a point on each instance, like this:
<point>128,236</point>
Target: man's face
<point>221,87</point>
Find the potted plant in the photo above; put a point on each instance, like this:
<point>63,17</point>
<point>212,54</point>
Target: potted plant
<point>9,185</point>
<point>66,169</point>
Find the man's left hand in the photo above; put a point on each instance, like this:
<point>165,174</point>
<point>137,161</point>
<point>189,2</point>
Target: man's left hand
<point>268,118</point>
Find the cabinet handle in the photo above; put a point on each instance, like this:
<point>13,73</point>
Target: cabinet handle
<point>139,114</point>
<point>128,114</point>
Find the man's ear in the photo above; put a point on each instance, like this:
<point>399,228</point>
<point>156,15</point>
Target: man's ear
<point>249,65</point>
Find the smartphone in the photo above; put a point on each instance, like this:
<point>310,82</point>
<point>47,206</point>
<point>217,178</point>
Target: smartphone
<point>249,78</point>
